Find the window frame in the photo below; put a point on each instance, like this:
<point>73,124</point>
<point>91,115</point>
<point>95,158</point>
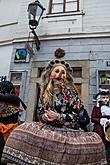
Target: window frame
<point>64,7</point>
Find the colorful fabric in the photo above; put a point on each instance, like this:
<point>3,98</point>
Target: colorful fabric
<point>9,112</point>
<point>7,109</point>
<point>40,144</point>
<point>7,129</point>
<point>66,103</point>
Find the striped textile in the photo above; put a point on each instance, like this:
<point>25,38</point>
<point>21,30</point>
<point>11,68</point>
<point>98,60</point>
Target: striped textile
<point>38,144</point>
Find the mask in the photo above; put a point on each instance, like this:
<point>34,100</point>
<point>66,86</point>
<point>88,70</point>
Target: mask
<point>58,73</point>
<point>104,99</point>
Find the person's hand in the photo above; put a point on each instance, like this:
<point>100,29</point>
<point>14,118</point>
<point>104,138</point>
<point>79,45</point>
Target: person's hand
<point>51,115</point>
<point>103,121</point>
<point>108,122</point>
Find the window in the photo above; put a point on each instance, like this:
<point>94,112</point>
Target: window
<point>40,70</point>
<point>17,89</point>
<point>103,79</point>
<point>16,78</point>
<point>77,72</point>
<point>63,6</point>
<point>19,80</point>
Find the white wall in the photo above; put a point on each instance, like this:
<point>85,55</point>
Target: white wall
<point>14,13</point>
<point>9,14</point>
<point>9,11</point>
<point>5,59</point>
<point>96,19</point>
<point>97,15</point>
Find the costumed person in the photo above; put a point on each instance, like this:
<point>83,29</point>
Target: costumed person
<point>9,112</point>
<point>83,118</point>
<point>56,137</point>
<point>101,118</point>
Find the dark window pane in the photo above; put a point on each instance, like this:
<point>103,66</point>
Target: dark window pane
<point>40,70</point>
<point>77,72</point>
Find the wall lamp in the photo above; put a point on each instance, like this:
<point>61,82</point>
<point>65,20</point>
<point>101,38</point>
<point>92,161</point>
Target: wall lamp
<point>35,11</point>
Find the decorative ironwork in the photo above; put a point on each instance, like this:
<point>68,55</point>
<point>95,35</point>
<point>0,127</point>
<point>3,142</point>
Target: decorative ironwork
<point>35,11</point>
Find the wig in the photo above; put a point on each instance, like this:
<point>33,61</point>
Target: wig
<point>47,83</point>
<point>98,96</point>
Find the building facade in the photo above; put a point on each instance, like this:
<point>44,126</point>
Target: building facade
<point>80,28</point>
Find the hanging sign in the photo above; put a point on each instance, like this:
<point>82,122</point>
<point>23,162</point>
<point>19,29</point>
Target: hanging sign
<point>22,55</point>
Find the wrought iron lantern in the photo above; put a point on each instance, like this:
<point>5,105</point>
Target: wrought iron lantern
<point>35,11</point>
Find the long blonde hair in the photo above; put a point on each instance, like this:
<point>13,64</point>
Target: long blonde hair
<point>46,85</point>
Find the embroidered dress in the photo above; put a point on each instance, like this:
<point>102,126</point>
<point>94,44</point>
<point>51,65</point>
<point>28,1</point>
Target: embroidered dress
<point>66,103</point>
<point>59,142</point>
